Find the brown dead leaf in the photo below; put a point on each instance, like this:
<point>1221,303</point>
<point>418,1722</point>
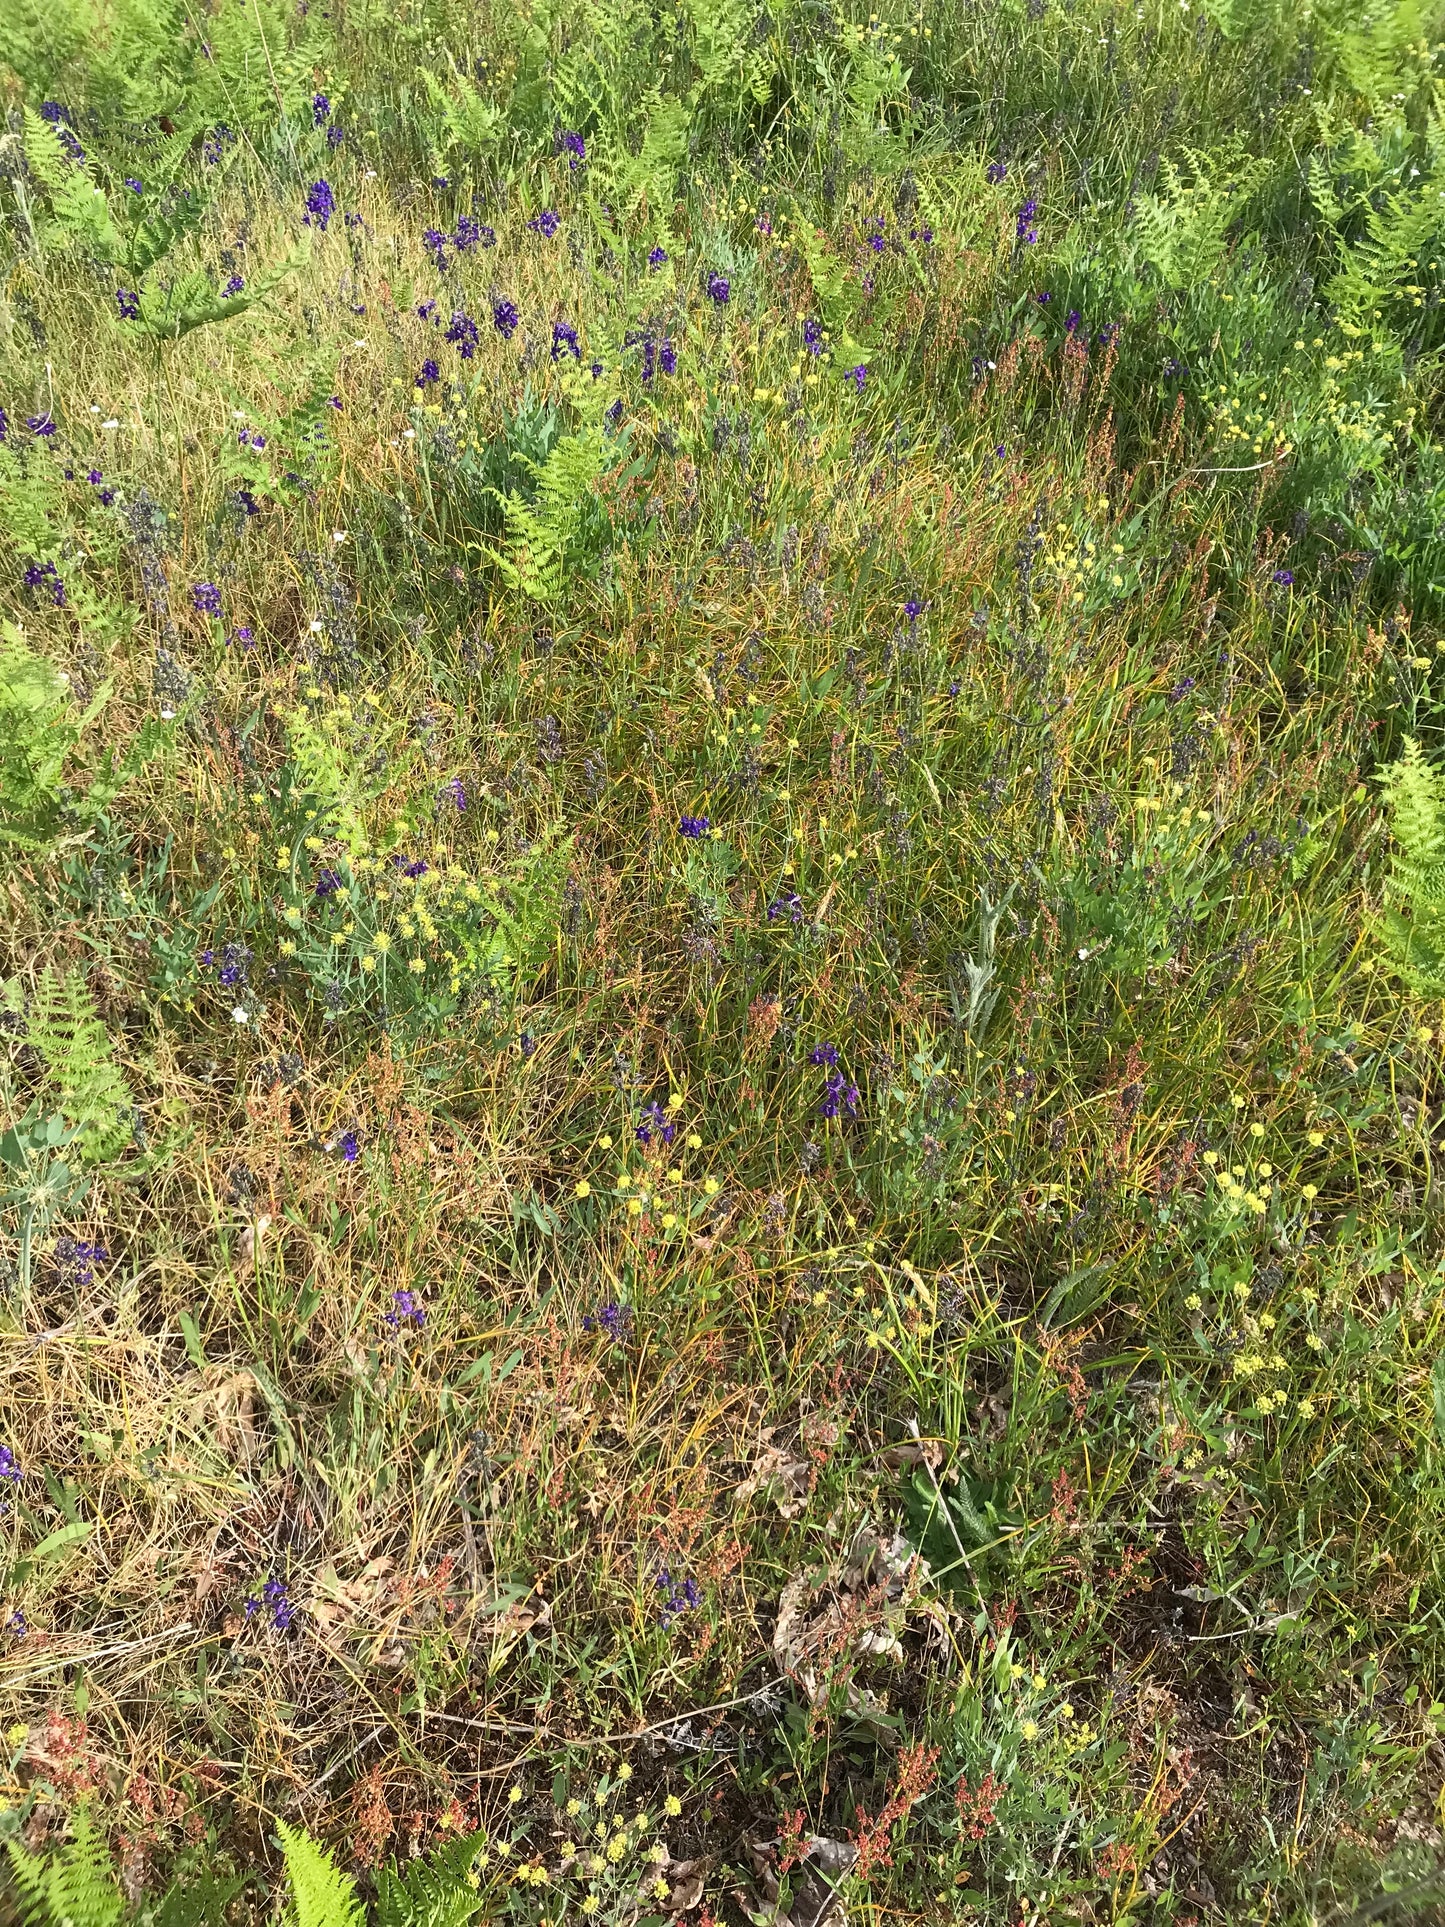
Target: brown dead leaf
<point>688,1879</point>
<point>781,1476</point>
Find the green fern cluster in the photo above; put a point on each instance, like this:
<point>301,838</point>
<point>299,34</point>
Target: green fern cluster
<point>1413,924</point>
<point>546,533</point>
<point>77,1887</point>
<point>89,1089</point>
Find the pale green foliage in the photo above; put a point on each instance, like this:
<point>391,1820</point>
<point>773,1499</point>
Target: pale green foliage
<point>75,1887</point>
<point>89,1090</point>
<point>469,121</point>
<point>542,532</point>
<point>434,1892</point>
<point>81,210</point>
<point>1182,233</point>
<point>732,69</point>
<point>321,1894</point>
<point>342,760</point>
<point>1413,924</point>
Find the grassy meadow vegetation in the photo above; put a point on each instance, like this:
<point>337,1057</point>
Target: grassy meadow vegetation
<point>722,985</point>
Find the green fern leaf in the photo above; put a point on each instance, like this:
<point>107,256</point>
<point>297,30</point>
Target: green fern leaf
<point>434,1892</point>
<point>75,1887</point>
<point>91,1092</point>
<point>321,1894</point>
<point>1413,924</point>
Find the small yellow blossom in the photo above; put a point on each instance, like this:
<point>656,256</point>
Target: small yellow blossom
<point>582,1190</point>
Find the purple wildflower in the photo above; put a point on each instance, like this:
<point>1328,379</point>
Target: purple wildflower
<point>1073,321</point>
<point>564,341</point>
<point>207,598</point>
<point>613,1319</point>
<point>320,204</point>
<point>655,1122</point>
<point>463,334</point>
<point>790,906</point>
<point>134,185</point>
<point>235,963</point>
<point>17,1625</point>
<point>546,223</point>
<point>40,425</point>
<point>719,288</point>
<point>683,1596</point>
<point>320,110</point>
<point>667,358</point>
<point>334,137</point>
<point>858,376</point>
<point>656,258</point>
<point>693,826</point>
<point>274,1600</point>
<point>1028,234</point>
<point>824,1054</point>
<point>1180,690</point>
<point>505,317</point>
<point>838,1095</point>
<point>52,111</point>
<point>813,336</point>
<point>127,301</point>
<point>233,286</point>
<point>435,242</point>
<point>1283,578</point>
<point>328,882</point>
<point>427,374</point>
<point>10,1473</point>
<point>349,1145</point>
<point>470,233</point>
<point>45,575</point>
<point>997,172</point>
<point>454,793</point>
<point>76,1260</point>
<point>406,1309</point>
<point>4,426</point>
<point>574,147</point>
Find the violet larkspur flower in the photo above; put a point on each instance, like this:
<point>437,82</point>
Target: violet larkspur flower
<point>17,1625</point>
<point>838,1095</point>
<point>10,1473</point>
<point>546,223</point>
<point>469,233</point>
<point>320,109</point>
<point>463,334</point>
<point>1043,299</point>
<point>427,374</point>
<point>207,598</point>
<point>824,1054</point>
<point>454,793</point>
<point>613,1319</point>
<point>127,301</point>
<point>233,286</point>
<point>667,358</point>
<point>1028,234</point>
<point>4,426</point>
<point>1283,578</point>
<point>997,172</point>
<point>334,138</point>
<point>243,634</point>
<point>40,425</point>
<point>719,288</point>
<point>656,258</point>
<point>1180,690</point>
<point>858,376</point>
<point>76,1260</point>
<point>406,1309</point>
<point>320,204</point>
<point>349,1145</point>
<point>45,575</point>
<point>693,826</point>
<point>274,1600</point>
<point>682,1596</point>
<point>655,1123</point>
<point>505,317</point>
<point>790,906</point>
<point>134,185</point>
<point>94,477</point>
<point>1073,321</point>
<point>574,147</point>
<point>328,882</point>
<point>435,242</point>
<point>813,336</point>
<point>235,964</point>
<point>426,311</point>
<point>564,341</point>
<point>52,111</point>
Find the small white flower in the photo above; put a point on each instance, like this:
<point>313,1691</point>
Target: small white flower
<point>240,1015</point>
<point>168,715</point>
<point>410,433</point>
<point>95,408</point>
<point>316,627</point>
<point>358,344</point>
<point>370,174</point>
<point>338,535</point>
<point>112,423</point>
